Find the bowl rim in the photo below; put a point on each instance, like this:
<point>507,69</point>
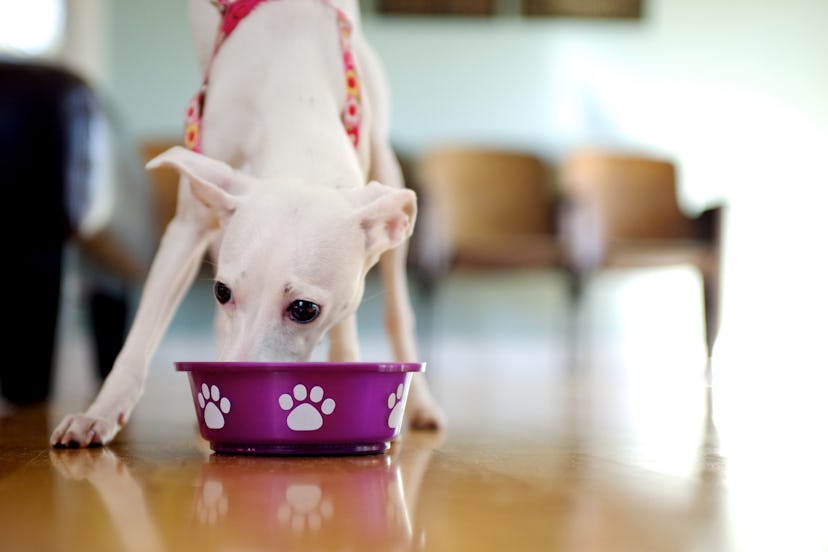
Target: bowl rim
<point>230,366</point>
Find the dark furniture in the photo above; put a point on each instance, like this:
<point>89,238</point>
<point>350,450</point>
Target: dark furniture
<point>48,120</point>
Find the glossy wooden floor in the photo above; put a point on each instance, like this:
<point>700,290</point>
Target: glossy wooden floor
<point>607,446</point>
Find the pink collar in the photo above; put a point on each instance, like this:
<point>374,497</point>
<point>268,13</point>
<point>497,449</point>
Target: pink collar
<point>232,12</point>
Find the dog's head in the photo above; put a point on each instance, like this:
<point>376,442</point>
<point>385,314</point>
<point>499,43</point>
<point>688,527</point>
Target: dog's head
<point>293,258</point>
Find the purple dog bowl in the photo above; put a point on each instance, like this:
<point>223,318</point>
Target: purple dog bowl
<point>305,408</point>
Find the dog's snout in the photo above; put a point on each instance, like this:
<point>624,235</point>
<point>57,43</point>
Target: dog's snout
<point>264,349</point>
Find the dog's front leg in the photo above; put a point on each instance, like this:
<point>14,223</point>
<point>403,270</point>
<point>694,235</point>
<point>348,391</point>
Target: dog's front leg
<point>422,410</point>
<point>343,345</point>
<point>173,270</point>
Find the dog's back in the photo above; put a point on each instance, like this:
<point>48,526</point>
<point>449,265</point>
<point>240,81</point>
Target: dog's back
<point>275,88</point>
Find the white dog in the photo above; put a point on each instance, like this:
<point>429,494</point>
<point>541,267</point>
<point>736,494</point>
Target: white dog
<point>292,126</point>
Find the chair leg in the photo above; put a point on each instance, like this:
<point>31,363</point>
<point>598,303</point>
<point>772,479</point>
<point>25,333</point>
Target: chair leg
<point>426,312</point>
<point>710,224</point>
<point>576,282</point>
<point>711,310</point>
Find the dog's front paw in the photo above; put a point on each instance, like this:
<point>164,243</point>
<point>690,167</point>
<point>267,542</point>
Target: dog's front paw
<point>82,430</point>
<point>421,410</point>
<point>425,415</point>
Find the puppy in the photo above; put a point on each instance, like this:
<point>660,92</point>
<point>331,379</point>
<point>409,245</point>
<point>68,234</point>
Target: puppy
<point>289,179</point>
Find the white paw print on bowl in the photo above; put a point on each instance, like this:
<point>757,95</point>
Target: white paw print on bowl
<point>207,399</point>
<point>396,406</point>
<point>304,415</point>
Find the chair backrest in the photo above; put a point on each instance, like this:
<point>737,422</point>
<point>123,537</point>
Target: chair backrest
<point>481,193</point>
<point>634,197</point>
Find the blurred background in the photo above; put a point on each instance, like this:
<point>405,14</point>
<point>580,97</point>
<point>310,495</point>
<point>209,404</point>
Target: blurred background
<point>732,95</point>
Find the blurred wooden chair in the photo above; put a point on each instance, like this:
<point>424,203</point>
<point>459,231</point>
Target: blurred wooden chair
<point>623,212</point>
<point>483,208</point>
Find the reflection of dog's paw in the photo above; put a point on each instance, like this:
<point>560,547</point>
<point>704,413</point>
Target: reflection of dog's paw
<point>86,463</point>
<point>207,399</point>
<point>304,507</point>
<point>211,503</point>
<point>396,406</point>
<point>306,416</point>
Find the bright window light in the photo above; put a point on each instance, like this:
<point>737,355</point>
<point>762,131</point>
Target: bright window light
<point>31,27</point>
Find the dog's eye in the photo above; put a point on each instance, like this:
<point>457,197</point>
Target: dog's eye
<point>222,292</point>
<point>302,311</point>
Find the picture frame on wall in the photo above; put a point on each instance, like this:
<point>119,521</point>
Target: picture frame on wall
<point>436,7</point>
<point>602,9</point>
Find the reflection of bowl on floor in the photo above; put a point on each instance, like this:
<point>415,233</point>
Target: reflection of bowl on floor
<point>297,503</point>
<point>305,408</point>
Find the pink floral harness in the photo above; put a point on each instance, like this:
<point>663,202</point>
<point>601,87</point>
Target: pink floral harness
<point>232,12</point>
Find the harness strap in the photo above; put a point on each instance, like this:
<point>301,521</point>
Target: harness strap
<point>232,12</point>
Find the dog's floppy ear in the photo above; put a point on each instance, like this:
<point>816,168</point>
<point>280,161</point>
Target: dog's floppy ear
<point>213,183</point>
<point>385,215</point>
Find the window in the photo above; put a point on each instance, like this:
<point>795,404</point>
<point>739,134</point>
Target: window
<point>31,27</point>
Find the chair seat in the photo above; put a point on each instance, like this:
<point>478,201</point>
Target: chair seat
<point>510,251</point>
<point>657,253</point>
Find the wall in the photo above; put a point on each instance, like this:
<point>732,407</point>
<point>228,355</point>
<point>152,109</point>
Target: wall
<point>734,91</point>
<point>740,69</point>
